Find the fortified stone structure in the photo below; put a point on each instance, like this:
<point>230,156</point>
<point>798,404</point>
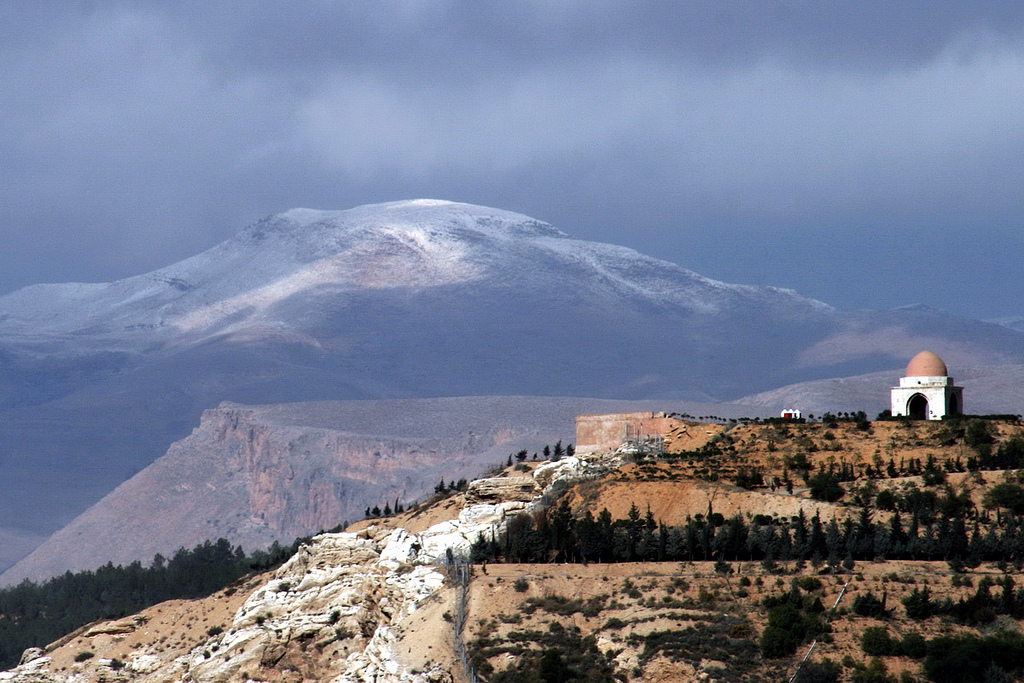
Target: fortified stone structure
<point>927,391</point>
<point>595,433</point>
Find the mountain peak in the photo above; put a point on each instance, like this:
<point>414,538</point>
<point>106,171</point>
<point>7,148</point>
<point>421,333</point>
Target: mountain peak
<point>436,216</point>
<point>289,268</point>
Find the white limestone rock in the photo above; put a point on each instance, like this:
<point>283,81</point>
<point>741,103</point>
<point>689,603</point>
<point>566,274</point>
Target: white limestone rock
<point>499,489</point>
<point>550,472</point>
<point>345,594</point>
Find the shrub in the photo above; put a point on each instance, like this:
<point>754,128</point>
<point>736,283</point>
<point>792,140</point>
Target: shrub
<point>1005,495</point>
<point>740,631</point>
<point>84,655</point>
<point>961,659</point>
<point>978,434</point>
<point>787,627</point>
<point>874,672</point>
<point>825,486</point>
<point>933,477</point>
<point>521,585</point>
<point>914,646</point>
<point>707,640</point>
<point>809,583</point>
<point>214,631</point>
<point>825,671</point>
<point>631,590</point>
<point>557,604</point>
<point>776,643</point>
<point>867,605</point>
<point>748,478</point>
<point>886,500</point>
<point>876,642</point>
<point>560,655</point>
<point>919,604</point>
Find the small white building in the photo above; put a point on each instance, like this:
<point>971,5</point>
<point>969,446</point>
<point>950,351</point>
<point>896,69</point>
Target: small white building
<point>927,392</point>
<point>793,413</point>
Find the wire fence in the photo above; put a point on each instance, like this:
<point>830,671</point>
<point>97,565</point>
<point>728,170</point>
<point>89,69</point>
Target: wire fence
<point>460,572</point>
<point>828,618</point>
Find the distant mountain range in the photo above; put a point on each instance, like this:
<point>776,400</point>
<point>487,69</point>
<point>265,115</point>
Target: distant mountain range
<point>988,390</point>
<point>413,299</point>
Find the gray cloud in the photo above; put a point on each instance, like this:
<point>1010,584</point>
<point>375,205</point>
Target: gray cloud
<point>824,146</point>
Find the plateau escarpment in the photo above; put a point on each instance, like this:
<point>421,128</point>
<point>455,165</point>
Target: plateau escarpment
<point>258,474</point>
<point>242,477</point>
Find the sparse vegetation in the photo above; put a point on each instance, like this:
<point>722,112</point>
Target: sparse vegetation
<point>554,654</point>
<point>704,640</point>
<point>746,591</point>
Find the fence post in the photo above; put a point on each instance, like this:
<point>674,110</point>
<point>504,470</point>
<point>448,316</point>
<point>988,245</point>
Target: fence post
<point>459,570</point>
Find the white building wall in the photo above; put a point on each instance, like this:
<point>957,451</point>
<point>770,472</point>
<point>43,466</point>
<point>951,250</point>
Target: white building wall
<point>937,394</point>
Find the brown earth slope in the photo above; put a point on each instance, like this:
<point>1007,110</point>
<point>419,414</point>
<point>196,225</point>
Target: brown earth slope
<point>668,621</point>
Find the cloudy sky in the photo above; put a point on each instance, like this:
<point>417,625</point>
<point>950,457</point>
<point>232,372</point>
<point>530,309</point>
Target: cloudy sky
<point>869,153</point>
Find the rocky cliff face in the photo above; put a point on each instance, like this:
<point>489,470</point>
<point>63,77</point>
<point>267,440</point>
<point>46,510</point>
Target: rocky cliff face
<point>247,478</point>
<point>256,474</point>
<point>369,606</point>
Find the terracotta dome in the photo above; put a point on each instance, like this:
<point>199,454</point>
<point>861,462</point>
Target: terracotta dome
<point>926,364</point>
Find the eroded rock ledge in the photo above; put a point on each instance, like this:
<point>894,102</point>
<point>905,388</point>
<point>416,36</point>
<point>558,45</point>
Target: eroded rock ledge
<point>348,607</point>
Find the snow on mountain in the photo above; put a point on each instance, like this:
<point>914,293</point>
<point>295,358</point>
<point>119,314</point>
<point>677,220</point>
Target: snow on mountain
<point>1015,322</point>
<point>410,244</point>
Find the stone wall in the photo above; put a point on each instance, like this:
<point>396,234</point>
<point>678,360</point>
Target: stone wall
<point>605,432</point>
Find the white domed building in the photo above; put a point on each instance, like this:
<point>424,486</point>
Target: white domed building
<point>927,392</point>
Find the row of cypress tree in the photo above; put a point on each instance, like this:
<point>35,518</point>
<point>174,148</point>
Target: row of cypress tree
<point>556,535</point>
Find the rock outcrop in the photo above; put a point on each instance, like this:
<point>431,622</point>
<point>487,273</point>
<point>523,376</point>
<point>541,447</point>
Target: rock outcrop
<point>502,488</point>
<point>346,608</point>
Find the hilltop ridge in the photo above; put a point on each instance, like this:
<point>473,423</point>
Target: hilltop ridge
<point>383,599</point>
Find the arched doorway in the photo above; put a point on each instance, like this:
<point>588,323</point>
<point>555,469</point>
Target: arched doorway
<point>917,407</point>
<point>954,405</point>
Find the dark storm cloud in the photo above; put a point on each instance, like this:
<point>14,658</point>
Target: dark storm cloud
<point>859,134</point>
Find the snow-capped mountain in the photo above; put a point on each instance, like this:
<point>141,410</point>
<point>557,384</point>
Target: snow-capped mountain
<point>1013,322</point>
<point>244,285</point>
<point>408,299</point>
